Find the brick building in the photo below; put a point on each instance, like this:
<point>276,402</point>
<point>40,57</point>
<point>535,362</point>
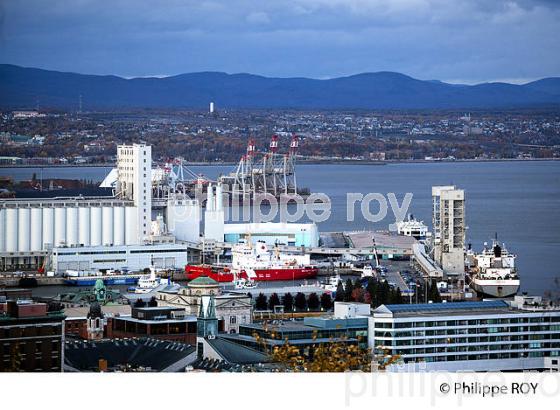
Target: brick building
<point>31,338</point>
<point>161,322</point>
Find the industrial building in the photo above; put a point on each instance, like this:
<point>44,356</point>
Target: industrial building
<point>140,223</point>
<point>114,232</point>
<point>448,218</point>
<point>133,258</point>
<point>468,336</point>
<point>292,234</point>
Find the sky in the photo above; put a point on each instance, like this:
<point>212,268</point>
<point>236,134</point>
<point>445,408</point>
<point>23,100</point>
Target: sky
<point>459,41</point>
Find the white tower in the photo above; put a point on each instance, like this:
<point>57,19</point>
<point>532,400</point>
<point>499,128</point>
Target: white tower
<point>448,217</point>
<point>134,167</point>
<point>211,108</point>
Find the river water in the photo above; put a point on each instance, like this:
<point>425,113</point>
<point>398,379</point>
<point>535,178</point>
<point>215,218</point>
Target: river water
<point>519,200</point>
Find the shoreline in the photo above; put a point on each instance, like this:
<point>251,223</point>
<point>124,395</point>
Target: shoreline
<point>302,162</point>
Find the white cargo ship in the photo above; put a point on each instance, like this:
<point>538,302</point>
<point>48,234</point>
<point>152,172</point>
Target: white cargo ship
<point>493,273</point>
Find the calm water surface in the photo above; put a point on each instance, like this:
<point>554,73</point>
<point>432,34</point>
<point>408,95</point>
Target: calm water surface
<point>518,200</point>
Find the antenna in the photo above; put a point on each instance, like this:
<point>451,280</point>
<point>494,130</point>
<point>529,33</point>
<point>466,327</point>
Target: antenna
<point>80,104</point>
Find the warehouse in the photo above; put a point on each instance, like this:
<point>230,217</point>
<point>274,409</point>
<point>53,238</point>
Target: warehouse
<point>131,257</point>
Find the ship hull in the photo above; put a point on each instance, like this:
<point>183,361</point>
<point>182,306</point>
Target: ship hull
<point>195,271</point>
<point>275,274</point>
<point>495,289</point>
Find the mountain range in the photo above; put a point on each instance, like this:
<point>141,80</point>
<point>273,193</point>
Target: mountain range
<point>22,87</point>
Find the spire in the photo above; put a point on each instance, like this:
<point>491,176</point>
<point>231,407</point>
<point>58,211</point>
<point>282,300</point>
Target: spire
<point>211,312</point>
<point>201,309</point>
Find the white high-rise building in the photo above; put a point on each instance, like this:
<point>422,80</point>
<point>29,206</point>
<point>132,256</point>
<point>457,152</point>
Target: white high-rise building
<point>211,108</point>
<point>134,168</point>
<point>448,218</point>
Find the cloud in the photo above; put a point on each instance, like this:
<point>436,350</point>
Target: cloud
<point>472,40</point>
<point>258,18</point>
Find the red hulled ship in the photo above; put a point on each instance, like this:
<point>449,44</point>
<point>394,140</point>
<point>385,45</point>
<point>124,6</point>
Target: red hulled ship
<point>258,263</point>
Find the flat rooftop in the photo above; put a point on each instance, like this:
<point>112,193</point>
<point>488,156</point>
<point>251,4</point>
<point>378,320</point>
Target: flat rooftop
<point>364,239</point>
<point>452,309</point>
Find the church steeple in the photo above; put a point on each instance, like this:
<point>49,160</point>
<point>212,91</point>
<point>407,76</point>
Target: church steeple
<point>207,322</point>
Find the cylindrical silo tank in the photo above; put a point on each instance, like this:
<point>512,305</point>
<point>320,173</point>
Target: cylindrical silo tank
<point>72,226</point>
<point>119,221</point>
<point>2,229</point>
<point>11,230</point>
<point>96,226</point>
<point>107,225</point>
<point>59,226</point>
<point>131,219</point>
<point>48,227</point>
<point>84,225</point>
<point>24,229</point>
<point>36,229</point>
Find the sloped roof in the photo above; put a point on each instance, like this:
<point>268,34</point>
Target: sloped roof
<point>235,353</point>
<point>144,352</point>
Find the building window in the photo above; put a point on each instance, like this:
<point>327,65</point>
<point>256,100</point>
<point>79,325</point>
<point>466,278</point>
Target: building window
<point>232,320</point>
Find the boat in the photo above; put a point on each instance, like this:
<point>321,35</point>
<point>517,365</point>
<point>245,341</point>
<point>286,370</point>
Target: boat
<point>110,277</point>
<point>367,272</point>
<point>258,263</point>
<point>494,273</point>
<point>242,284</point>
<point>332,284</point>
<point>218,273</point>
<point>148,283</point>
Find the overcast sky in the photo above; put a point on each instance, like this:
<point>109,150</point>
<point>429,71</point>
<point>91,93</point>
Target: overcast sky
<point>452,40</point>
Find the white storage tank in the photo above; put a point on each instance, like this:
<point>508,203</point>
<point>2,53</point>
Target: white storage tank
<point>131,220</point>
<point>2,229</point>
<point>107,216</point>
<point>36,229</point>
<point>119,226</point>
<point>11,230</point>
<point>48,227</point>
<point>96,226</point>
<point>59,226</point>
<point>84,226</point>
<point>24,229</point>
<point>183,219</point>
<point>72,226</point>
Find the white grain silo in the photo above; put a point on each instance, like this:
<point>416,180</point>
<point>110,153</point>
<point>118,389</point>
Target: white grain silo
<point>119,226</point>
<point>36,229</point>
<point>2,229</point>
<point>11,230</point>
<point>107,218</point>
<point>72,226</point>
<point>96,226</point>
<point>24,229</point>
<point>59,226</point>
<point>84,226</point>
<point>48,227</point>
<point>183,219</point>
<point>131,220</point>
